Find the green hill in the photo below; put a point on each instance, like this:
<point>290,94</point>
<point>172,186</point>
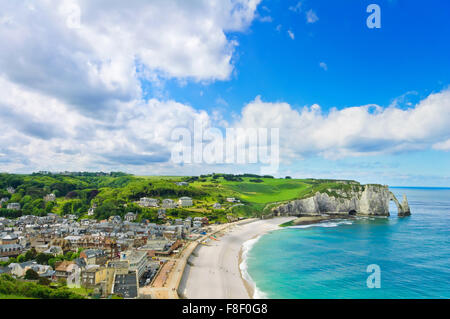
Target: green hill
<point>117,193</point>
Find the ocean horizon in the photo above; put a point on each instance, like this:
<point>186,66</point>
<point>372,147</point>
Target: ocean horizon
<point>330,259</point>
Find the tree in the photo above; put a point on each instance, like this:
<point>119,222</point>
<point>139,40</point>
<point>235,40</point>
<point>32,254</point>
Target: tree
<point>43,259</point>
<point>62,282</point>
<point>30,254</point>
<point>67,208</point>
<point>49,207</point>
<point>30,274</point>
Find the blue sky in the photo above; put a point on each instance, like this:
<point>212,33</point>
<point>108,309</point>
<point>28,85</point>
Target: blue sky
<point>76,102</point>
<point>407,59</point>
<point>408,54</point>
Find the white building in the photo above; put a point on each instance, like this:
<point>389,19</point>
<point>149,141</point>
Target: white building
<point>148,202</point>
<point>182,184</point>
<point>185,202</point>
<point>130,217</point>
<point>50,198</point>
<point>138,260</point>
<point>217,206</point>
<point>168,203</point>
<point>13,206</point>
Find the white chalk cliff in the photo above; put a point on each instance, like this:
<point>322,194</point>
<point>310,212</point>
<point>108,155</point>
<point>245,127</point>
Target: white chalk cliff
<point>370,200</point>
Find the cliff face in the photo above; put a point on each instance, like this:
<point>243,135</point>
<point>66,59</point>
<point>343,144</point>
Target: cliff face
<point>370,200</point>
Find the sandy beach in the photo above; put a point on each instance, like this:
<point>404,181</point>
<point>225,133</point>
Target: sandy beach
<point>213,270</point>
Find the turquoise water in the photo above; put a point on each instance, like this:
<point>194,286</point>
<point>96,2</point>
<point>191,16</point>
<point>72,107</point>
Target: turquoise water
<point>329,260</point>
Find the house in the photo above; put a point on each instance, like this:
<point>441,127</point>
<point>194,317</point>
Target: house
<point>217,206</point>
<point>148,202</point>
<point>93,276</point>
<point>40,269</point>
<point>233,200</point>
<point>91,210</point>
<point>182,184</point>
<point>115,219</point>
<point>94,256</point>
<point>9,239</point>
<point>168,203</point>
<point>11,190</point>
<point>138,260</point>
<point>130,217</point>
<point>19,269</point>
<point>185,202</point>
<point>50,198</point>
<point>197,224</point>
<point>54,250</point>
<point>161,213</point>
<point>13,206</point>
<point>10,250</point>
<point>64,269</point>
<point>74,277</point>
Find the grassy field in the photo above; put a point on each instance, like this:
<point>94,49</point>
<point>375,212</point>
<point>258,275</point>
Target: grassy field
<point>258,194</point>
<point>118,193</point>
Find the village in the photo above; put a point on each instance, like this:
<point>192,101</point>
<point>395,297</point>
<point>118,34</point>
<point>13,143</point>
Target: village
<point>117,257</point>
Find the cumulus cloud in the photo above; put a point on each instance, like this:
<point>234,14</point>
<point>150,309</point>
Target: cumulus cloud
<point>51,135</point>
<point>311,16</point>
<point>71,76</point>
<point>297,7</point>
<point>291,34</point>
<point>72,97</point>
<point>93,54</point>
<point>354,131</point>
<point>442,146</point>
<point>323,65</point>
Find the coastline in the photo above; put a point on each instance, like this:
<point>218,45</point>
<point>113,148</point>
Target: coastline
<point>214,270</point>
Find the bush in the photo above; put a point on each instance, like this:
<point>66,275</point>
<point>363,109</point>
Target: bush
<point>30,274</point>
<point>11,286</point>
<point>44,281</point>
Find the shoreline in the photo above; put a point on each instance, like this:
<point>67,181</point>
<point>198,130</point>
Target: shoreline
<point>214,271</point>
<point>250,286</point>
<point>247,285</point>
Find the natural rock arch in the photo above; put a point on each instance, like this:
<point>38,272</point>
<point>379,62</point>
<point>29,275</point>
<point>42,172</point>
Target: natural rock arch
<point>403,208</point>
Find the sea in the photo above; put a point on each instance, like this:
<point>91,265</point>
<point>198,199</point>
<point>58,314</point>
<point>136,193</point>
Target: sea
<point>363,258</point>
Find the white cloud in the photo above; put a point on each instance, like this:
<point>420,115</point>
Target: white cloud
<point>297,7</point>
<point>291,34</point>
<point>99,64</point>
<point>311,16</point>
<point>265,19</point>
<point>354,131</point>
<point>72,97</point>
<point>442,146</point>
<point>71,71</point>
<point>323,65</point>
<point>39,132</point>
